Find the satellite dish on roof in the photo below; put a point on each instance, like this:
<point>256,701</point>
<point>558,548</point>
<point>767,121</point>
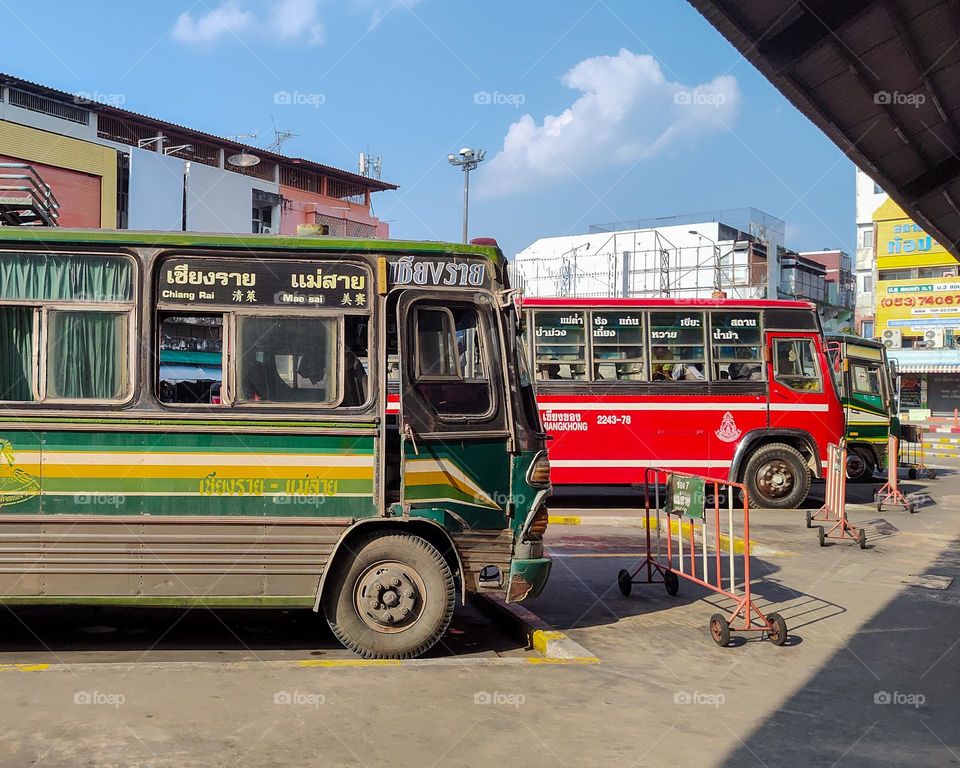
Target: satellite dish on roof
<point>243,159</point>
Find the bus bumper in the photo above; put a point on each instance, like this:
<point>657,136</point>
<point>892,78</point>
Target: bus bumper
<point>528,578</point>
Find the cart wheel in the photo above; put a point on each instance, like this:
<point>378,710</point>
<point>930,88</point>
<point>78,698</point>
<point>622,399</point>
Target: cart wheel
<point>932,474</point>
<point>624,582</point>
<point>778,629</point>
<point>879,506</point>
<point>720,630</point>
<point>911,508</point>
<point>862,539</point>
<point>809,515</point>
<point>671,583</point>
<point>912,473</point>
<point>822,535</point>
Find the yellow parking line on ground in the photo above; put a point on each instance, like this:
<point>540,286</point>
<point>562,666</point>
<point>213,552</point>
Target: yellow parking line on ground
<point>574,660</point>
<point>564,520</point>
<point>24,667</point>
<point>351,663</point>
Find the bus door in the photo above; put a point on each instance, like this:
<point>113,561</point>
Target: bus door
<point>453,414</point>
<point>799,398</point>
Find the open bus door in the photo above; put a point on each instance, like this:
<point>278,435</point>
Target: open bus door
<point>455,460</point>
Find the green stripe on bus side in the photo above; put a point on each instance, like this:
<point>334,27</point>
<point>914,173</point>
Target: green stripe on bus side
<point>138,443</point>
<point>108,504</point>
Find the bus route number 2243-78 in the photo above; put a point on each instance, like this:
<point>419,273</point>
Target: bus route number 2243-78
<point>613,419</point>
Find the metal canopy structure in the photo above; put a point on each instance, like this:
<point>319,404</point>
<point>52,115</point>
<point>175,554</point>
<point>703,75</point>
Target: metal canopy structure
<point>880,77</point>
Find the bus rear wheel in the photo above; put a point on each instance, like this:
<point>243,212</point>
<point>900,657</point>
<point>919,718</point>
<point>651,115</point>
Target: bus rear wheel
<point>393,599</point>
<point>859,465</point>
<point>777,477</point>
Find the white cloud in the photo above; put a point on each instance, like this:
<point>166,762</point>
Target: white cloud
<point>628,110</point>
<point>287,21</point>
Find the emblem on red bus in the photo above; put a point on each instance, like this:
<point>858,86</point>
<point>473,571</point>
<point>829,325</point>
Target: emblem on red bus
<point>728,431</point>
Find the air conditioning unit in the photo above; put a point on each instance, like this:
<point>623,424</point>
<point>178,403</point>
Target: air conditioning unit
<point>891,338</point>
<point>934,337</point>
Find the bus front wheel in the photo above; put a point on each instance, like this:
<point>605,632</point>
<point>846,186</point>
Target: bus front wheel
<point>777,477</point>
<point>393,599</point>
<point>859,465</point>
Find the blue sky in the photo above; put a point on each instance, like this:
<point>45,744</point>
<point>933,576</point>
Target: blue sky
<point>619,109</point>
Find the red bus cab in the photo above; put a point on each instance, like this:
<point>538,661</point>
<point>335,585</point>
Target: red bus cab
<point>734,389</point>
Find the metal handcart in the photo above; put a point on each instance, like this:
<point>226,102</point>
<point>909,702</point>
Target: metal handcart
<point>912,452</point>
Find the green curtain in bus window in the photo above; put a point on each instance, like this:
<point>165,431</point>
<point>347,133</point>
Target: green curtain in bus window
<point>57,276</point>
<point>87,355</point>
<point>16,353</point>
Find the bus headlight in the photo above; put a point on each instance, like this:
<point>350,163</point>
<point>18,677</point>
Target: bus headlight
<point>539,473</point>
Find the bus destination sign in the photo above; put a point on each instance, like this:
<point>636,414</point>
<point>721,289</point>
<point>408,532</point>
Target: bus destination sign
<point>252,283</point>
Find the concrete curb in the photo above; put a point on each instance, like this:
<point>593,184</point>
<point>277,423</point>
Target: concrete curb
<point>553,646</point>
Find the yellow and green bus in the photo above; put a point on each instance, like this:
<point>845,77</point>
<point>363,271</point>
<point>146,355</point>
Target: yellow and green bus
<point>222,420</point>
<point>868,392</point>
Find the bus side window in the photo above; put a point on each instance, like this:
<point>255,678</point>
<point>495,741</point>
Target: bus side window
<point>677,349</point>
<point>737,352</point>
<point>618,346</point>
<point>191,359</point>
<point>560,343</point>
<point>795,364</point>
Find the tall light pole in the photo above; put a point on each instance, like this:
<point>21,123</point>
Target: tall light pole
<point>717,271</point>
<point>468,159</point>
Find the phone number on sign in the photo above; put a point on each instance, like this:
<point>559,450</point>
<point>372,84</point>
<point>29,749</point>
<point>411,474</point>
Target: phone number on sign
<point>949,300</point>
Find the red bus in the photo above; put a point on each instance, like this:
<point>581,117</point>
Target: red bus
<point>727,388</point>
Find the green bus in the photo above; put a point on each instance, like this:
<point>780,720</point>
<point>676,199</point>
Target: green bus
<point>222,420</point>
<point>868,392</point>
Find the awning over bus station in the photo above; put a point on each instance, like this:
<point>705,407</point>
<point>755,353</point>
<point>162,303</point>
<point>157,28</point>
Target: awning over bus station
<point>879,77</point>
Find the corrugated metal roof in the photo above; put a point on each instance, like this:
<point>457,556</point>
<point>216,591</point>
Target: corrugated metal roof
<point>879,77</point>
<point>94,106</point>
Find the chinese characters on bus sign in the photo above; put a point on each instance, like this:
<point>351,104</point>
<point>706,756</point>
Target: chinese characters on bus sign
<point>252,283</point>
<point>685,496</point>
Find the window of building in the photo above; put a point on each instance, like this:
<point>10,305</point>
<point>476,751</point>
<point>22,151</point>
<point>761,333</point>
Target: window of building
<point>677,349</point>
<point>262,219</point>
<point>618,346</point>
<point>452,370</point>
<point>877,189</point>
<point>866,329</point>
<point>737,346</point>
<point>560,343</point>
<point>795,364</point>
<point>288,360</point>
<point>76,351</point>
<point>866,237</point>
<point>897,274</point>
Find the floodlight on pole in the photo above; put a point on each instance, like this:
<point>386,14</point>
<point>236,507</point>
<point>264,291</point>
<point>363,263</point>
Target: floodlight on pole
<point>468,159</point>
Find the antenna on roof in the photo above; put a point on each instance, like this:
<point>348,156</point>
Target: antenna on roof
<point>370,166</point>
<point>278,138</point>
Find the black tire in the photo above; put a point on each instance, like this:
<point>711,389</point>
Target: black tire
<point>822,536</point>
<point>778,629</point>
<point>809,516</point>
<point>862,539</point>
<point>860,465</point>
<point>720,630</point>
<point>624,582</point>
<point>912,473</point>
<point>931,474</point>
<point>409,559</point>
<point>671,582</point>
<point>777,477</point>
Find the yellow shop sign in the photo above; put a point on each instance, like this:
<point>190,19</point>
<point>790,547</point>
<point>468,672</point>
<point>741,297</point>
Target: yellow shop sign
<point>914,306</point>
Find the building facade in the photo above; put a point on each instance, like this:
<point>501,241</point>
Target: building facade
<point>739,252</point>
<point>80,163</point>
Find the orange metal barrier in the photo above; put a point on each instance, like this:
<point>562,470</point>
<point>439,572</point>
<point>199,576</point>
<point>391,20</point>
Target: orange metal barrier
<point>890,493</point>
<point>691,512</point>
<point>834,507</point>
